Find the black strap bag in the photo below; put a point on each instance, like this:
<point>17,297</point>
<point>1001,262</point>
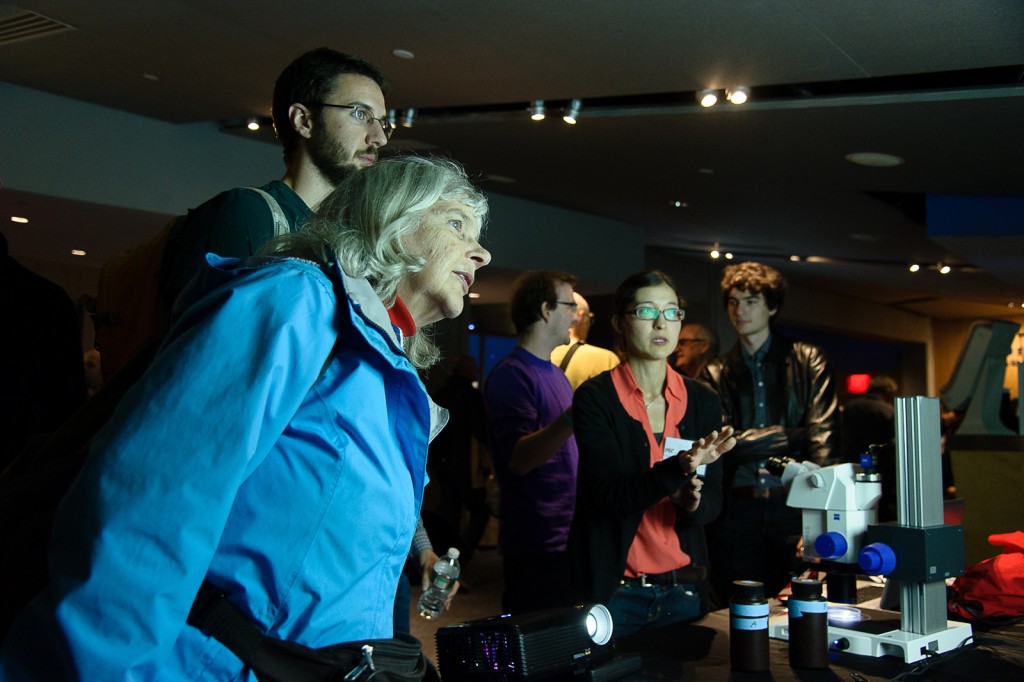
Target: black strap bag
<point>274,660</point>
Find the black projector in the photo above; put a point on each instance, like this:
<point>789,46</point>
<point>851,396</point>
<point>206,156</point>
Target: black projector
<point>526,646</point>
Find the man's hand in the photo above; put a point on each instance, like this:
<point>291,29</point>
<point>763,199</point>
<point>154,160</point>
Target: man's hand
<point>427,560</point>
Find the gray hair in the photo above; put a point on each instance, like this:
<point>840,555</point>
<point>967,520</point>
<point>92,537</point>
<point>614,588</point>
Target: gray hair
<point>364,220</point>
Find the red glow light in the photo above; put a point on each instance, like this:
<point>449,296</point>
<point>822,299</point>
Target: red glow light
<point>857,383</point>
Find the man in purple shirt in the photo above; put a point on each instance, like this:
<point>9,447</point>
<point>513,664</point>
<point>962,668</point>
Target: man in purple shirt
<point>530,431</point>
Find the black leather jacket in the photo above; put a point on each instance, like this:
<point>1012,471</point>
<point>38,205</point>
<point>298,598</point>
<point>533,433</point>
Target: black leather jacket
<point>801,404</point>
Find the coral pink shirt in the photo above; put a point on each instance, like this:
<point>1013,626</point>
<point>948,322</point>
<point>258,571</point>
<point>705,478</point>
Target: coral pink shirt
<point>655,548</point>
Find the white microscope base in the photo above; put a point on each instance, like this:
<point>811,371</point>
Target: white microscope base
<point>909,645</point>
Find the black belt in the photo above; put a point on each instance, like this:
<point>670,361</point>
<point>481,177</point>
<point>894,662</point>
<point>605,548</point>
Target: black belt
<point>758,492</point>
<point>680,576</point>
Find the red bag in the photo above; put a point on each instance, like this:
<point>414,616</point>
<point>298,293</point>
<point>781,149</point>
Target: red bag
<point>993,590</point>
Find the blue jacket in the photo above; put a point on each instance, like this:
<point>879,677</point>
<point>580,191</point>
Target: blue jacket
<point>240,458</point>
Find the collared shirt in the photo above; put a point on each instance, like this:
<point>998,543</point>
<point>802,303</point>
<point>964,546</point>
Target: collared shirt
<point>754,473</point>
<point>655,548</point>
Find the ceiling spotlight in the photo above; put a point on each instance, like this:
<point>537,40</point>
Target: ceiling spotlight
<point>537,110</point>
<point>18,219</point>
<point>77,252</point>
<point>794,259</point>
<point>252,123</point>
<point>392,118</point>
<point>738,95</point>
<point>728,255</point>
<point>573,112</point>
<point>408,117</point>
<point>707,97</point>
<point>943,269</point>
<point>914,267</point>
<point>715,253</point>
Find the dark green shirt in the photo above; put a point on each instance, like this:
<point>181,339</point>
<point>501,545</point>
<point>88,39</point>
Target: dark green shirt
<point>235,223</point>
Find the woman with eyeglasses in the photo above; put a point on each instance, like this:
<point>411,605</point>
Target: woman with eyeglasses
<point>649,471</point>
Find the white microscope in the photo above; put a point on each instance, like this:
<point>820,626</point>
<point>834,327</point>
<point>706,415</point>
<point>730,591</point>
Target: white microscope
<point>919,551</point>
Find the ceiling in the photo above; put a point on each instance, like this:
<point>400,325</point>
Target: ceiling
<point>936,83</point>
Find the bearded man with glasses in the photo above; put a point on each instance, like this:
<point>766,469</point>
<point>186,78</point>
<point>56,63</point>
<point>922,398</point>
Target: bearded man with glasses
<point>330,117</point>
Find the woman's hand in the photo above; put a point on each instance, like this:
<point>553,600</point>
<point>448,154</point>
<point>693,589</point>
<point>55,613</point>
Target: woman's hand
<point>707,449</point>
<point>688,496</point>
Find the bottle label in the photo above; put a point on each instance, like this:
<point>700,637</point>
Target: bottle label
<point>749,610</point>
<point>799,608</point>
<point>749,623</point>
<point>443,583</point>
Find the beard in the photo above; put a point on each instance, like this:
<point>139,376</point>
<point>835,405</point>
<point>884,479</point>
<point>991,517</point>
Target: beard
<point>333,159</point>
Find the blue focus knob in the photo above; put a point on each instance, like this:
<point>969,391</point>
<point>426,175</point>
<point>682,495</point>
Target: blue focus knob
<point>877,559</point>
<point>831,545</point>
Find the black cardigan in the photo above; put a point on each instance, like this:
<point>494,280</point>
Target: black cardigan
<point>616,484</point>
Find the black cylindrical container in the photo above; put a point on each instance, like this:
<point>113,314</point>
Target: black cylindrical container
<point>808,625</point>
<point>748,627</point>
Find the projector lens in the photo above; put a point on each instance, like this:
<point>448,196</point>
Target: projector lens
<point>599,624</point>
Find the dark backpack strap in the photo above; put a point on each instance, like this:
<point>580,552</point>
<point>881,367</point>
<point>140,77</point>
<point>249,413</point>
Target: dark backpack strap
<point>569,353</point>
<point>216,616</point>
<point>271,659</point>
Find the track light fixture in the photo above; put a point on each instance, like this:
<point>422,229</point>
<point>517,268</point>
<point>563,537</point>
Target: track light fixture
<point>252,123</point>
<point>573,112</point>
<point>707,97</point>
<point>942,268</point>
<point>914,267</point>
<point>715,253</point>
<point>537,110</point>
<point>392,118</point>
<point>738,95</point>
<point>408,117</point>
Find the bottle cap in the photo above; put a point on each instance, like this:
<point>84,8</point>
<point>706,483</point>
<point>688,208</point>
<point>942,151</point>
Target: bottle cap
<point>806,588</point>
<point>453,552</point>
<point>748,589</point>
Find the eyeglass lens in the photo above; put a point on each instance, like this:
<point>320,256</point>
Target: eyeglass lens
<point>671,314</point>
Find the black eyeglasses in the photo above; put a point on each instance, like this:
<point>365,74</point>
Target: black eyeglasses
<point>364,116</point>
<point>648,313</point>
<point>567,304</point>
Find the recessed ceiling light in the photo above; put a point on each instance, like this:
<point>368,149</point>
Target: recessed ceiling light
<point>680,204</point>
<point>473,294</point>
<point>402,54</point>
<point>77,252</point>
<point>874,159</point>
<point>18,219</point>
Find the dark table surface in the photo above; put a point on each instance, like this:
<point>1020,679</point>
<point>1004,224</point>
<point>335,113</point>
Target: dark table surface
<point>700,651</point>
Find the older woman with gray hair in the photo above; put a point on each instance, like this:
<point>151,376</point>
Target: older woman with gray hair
<point>276,449</point>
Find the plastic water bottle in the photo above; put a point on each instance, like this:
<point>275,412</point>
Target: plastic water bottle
<point>446,572</point>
